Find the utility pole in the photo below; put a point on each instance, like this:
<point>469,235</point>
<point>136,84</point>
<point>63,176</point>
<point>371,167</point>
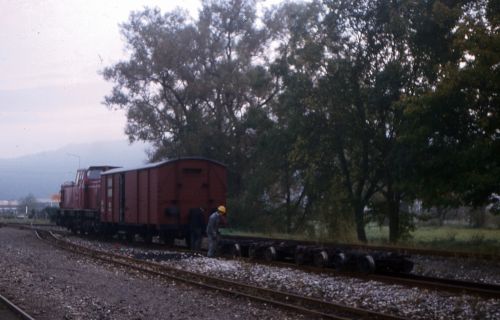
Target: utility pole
<point>74,155</point>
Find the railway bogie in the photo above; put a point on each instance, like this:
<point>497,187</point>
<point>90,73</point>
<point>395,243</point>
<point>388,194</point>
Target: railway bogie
<point>340,259</point>
<point>365,263</point>
<point>321,258</point>
<point>393,263</point>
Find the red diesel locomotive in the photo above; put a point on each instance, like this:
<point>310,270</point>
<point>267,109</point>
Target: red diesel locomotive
<point>152,200</point>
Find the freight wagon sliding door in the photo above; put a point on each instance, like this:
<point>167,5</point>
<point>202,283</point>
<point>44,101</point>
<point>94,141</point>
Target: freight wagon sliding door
<point>143,195</point>
<point>131,195</point>
<point>217,182</point>
<point>193,191</point>
<point>121,218</point>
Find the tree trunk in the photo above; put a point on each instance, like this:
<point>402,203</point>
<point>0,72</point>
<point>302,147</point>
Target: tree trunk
<point>441,215</point>
<point>288,200</point>
<point>394,223</point>
<point>393,199</point>
<point>360,222</point>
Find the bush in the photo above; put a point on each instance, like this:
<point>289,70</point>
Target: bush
<point>477,239</point>
<point>451,235</point>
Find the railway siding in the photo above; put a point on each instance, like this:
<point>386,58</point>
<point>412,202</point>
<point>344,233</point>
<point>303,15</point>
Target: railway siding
<point>54,284</point>
<point>309,306</point>
<point>415,303</point>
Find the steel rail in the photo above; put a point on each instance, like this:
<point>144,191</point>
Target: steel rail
<point>14,310</point>
<point>306,305</point>
<point>460,286</point>
<point>411,280</point>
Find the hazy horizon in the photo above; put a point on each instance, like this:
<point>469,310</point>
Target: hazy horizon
<point>42,173</point>
<point>51,92</point>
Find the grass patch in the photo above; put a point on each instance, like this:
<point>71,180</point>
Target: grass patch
<point>24,221</point>
<point>449,238</point>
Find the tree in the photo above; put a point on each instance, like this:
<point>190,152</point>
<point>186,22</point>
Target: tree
<point>189,84</point>
<point>28,204</point>
<point>415,41</point>
<point>455,128</point>
<point>307,48</point>
<point>361,61</point>
<point>297,188</point>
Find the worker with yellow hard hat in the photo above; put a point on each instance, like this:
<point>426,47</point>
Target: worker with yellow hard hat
<point>213,229</point>
<point>222,210</point>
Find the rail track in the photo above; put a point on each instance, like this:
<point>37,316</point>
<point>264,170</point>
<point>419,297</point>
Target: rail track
<point>312,307</point>
<point>411,280</point>
<point>485,290</point>
<point>368,247</point>
<point>451,285</point>
<point>407,279</point>
<point>9,311</point>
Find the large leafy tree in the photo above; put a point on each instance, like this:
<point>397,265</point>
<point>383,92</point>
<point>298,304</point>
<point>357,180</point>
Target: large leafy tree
<point>359,61</point>
<point>411,43</point>
<point>297,190</point>
<point>454,130</point>
<point>189,84</point>
<point>320,98</point>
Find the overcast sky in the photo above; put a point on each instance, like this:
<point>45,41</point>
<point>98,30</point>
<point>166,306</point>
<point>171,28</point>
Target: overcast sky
<point>50,55</point>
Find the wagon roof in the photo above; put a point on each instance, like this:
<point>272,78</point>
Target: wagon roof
<point>159,164</point>
<point>102,167</point>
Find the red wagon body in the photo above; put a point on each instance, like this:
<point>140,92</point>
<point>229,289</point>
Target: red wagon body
<point>157,198</point>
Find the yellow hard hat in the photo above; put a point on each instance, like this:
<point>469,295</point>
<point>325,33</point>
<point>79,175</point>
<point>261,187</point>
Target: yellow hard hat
<point>222,209</point>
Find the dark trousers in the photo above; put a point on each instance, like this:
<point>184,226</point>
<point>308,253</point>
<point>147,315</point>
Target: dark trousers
<point>195,239</point>
<point>212,245</point>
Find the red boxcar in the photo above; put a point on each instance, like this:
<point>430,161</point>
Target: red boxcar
<point>156,199</point>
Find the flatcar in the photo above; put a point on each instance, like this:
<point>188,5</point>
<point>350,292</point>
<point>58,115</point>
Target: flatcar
<point>152,200</point>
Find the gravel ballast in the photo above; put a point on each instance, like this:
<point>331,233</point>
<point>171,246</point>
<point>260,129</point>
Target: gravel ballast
<point>53,284</point>
<point>414,303</point>
<point>469,269</point>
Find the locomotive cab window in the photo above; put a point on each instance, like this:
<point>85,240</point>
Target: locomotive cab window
<point>110,186</point>
<point>79,177</point>
<point>94,174</point>
<point>191,170</point>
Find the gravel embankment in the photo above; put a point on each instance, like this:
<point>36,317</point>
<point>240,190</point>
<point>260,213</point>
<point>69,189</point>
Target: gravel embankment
<point>53,284</point>
<point>458,268</point>
<point>408,302</point>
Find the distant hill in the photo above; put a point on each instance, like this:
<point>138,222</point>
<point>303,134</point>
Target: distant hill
<point>42,173</point>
